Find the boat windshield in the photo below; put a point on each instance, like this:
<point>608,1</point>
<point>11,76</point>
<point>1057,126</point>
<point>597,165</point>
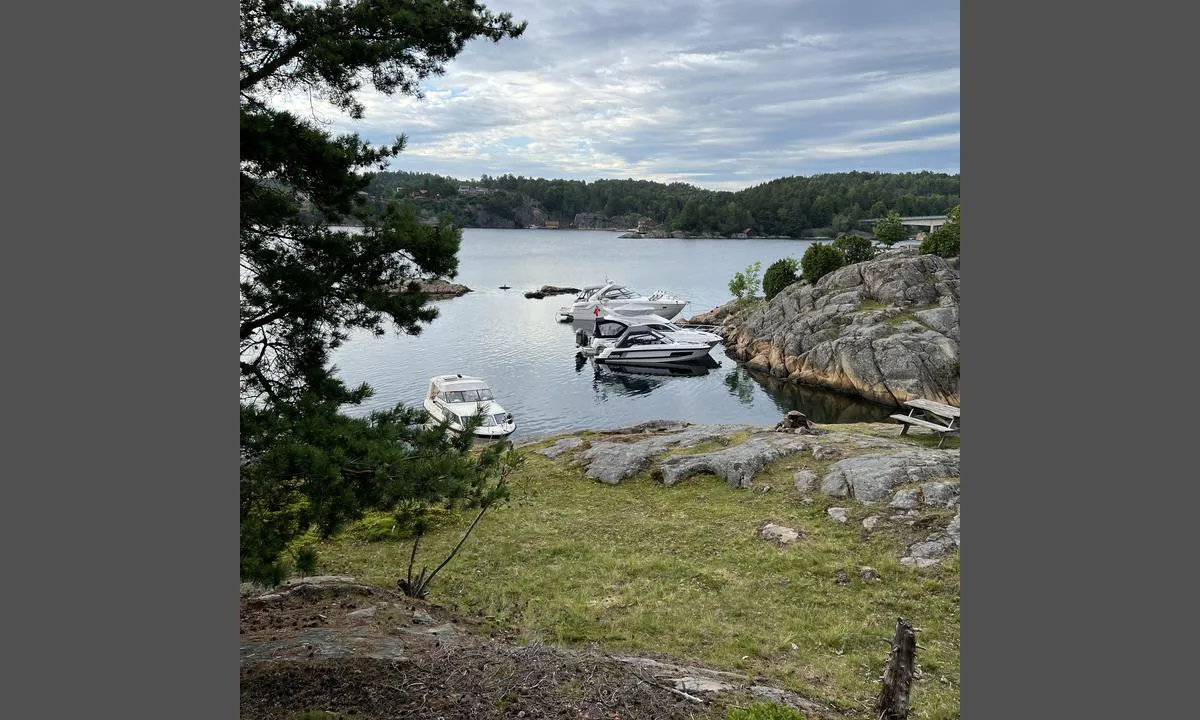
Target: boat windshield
<point>620,294</point>
<point>458,396</point>
<point>647,337</point>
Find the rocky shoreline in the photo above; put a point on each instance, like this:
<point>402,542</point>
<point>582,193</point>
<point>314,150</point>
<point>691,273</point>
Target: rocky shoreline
<point>884,479</point>
<point>886,330</point>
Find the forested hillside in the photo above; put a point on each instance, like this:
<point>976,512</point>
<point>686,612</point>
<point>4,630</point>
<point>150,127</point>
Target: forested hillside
<point>786,206</point>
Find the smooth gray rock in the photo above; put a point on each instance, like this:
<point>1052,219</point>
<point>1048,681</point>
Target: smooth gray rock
<point>866,572</point>
<point>805,480</point>
<point>953,529</point>
<point>363,614</point>
<point>736,465</point>
<point>612,462</point>
<point>870,478</point>
<point>935,547</point>
<point>938,494</point>
<point>872,522</point>
<point>905,500</point>
<point>838,514</point>
<point>560,447</point>
<point>778,534</point>
<point>822,452</point>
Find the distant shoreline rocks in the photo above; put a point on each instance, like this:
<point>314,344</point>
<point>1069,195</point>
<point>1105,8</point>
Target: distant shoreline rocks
<point>439,289</point>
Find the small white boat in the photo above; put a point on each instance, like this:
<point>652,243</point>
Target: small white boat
<point>457,398</point>
<point>614,298</point>
<point>617,340</point>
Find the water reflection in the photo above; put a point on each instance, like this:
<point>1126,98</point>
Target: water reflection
<point>633,379</point>
<point>818,404</point>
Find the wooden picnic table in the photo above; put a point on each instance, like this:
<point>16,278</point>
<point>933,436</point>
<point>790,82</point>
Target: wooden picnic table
<point>939,417</point>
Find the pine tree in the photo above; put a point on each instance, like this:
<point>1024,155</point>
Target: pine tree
<point>306,286</point>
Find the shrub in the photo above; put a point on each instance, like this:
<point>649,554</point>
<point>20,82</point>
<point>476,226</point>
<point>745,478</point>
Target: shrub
<point>781,274</point>
<point>889,230</point>
<point>764,711</point>
<point>745,284</point>
<point>943,241</point>
<point>819,260</point>
<point>854,249</point>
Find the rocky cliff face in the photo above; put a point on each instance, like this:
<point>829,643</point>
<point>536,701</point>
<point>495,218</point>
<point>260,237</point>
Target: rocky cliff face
<point>886,329</point>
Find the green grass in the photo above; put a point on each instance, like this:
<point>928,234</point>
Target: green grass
<point>678,571</point>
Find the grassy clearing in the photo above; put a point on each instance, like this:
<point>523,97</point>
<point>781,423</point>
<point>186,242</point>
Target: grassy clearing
<point>679,572</point>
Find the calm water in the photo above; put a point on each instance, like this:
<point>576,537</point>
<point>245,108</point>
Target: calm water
<point>531,360</point>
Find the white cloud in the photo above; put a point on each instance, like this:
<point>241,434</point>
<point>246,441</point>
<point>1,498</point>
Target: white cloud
<point>720,93</point>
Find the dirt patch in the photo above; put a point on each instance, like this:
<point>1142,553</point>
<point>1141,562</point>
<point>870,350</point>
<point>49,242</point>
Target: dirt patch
<point>371,653</point>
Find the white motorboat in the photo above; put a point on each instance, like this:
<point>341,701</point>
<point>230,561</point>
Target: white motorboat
<point>614,298</point>
<point>618,340</point>
<point>676,332</point>
<point>459,397</point>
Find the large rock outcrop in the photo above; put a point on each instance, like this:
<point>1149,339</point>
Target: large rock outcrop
<point>885,329</point>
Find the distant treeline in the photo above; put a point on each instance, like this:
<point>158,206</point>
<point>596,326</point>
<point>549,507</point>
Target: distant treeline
<point>787,206</point>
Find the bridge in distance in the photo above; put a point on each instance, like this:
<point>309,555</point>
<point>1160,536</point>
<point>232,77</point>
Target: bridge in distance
<point>922,221</point>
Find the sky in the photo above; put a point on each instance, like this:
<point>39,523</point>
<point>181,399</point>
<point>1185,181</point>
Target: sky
<point>722,94</point>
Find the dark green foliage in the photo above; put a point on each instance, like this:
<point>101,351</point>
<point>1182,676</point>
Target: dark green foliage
<point>745,284</point>
<point>304,287</point>
<point>854,249</point>
<point>943,241</point>
<point>764,711</point>
<point>787,206</point>
<point>890,230</point>
<point>306,560</point>
<point>818,261</point>
<point>781,274</point>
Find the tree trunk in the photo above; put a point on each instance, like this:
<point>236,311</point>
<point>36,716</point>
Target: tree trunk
<point>898,675</point>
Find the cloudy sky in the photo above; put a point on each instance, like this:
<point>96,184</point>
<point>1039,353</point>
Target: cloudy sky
<point>723,94</point>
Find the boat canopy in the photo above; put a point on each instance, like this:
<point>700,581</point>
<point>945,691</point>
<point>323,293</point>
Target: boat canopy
<point>459,388</point>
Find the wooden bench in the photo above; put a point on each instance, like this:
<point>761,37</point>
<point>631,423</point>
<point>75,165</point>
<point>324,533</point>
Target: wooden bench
<point>935,416</point>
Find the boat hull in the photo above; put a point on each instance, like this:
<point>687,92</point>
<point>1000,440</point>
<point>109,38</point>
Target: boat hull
<point>651,355</point>
<point>485,431</point>
<point>587,311</point>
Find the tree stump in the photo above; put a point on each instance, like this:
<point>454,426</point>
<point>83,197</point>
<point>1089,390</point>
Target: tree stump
<point>898,675</point>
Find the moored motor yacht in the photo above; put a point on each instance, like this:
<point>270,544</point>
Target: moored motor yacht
<point>670,329</point>
<point>618,340</point>
<point>614,298</point>
<point>457,398</point>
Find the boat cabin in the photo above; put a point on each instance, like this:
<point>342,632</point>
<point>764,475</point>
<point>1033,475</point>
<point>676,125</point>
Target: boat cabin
<point>459,389</point>
<point>611,330</point>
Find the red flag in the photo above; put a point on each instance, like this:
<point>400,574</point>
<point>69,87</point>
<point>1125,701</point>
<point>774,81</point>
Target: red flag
<point>596,311</point>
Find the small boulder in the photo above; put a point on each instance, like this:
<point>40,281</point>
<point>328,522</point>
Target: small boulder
<point>778,534</point>
<point>821,452</point>
<point>805,480</point>
<point>905,500</point>
<point>839,514</point>
<point>938,494</point>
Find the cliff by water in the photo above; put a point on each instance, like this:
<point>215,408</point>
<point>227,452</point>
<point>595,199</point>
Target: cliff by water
<point>886,329</point>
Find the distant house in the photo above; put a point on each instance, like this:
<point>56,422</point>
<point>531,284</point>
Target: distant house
<point>645,224</point>
<point>551,225</point>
